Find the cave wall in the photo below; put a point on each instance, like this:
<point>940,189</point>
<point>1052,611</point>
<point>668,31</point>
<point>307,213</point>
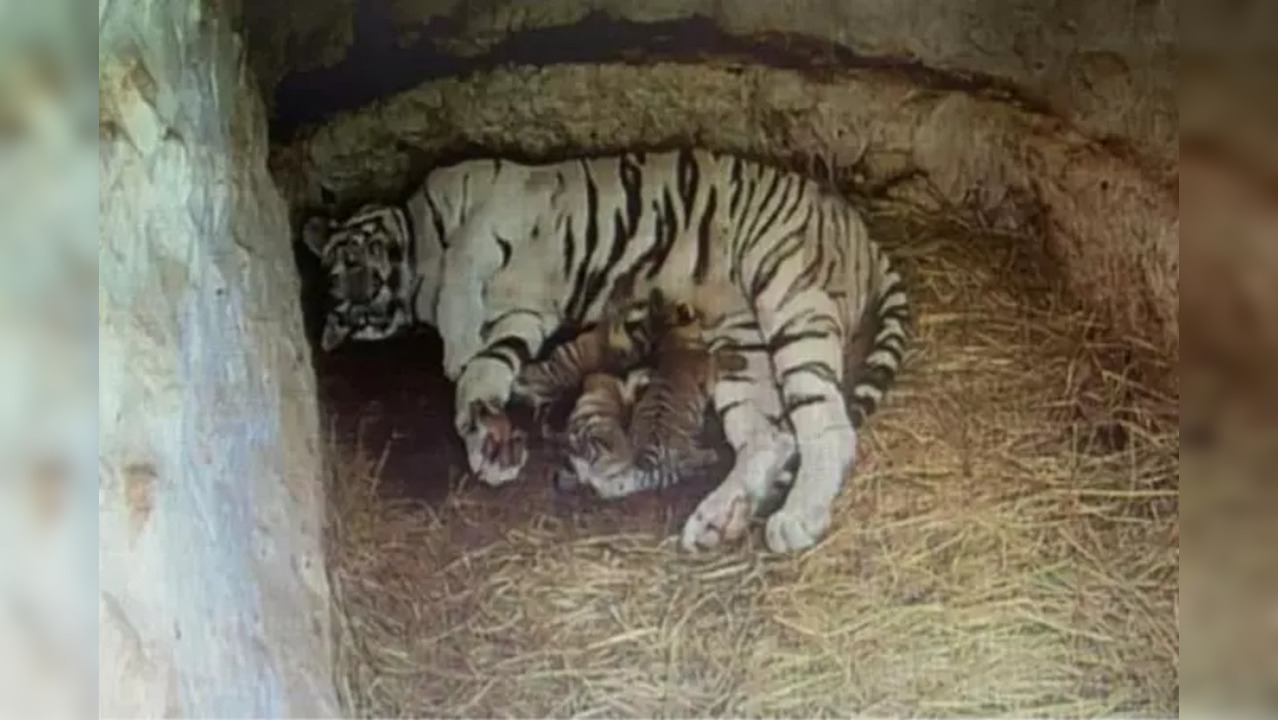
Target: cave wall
<point>213,597</point>
<point>1109,68</point>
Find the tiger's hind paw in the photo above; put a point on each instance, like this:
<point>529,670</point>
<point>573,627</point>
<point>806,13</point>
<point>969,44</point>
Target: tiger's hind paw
<point>792,529</point>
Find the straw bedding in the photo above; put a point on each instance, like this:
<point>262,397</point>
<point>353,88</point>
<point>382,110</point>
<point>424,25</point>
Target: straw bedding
<point>1008,546</point>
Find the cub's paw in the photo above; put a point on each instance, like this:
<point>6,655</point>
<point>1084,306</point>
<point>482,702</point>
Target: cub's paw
<point>495,448</point>
<point>795,527</point>
<point>722,516</point>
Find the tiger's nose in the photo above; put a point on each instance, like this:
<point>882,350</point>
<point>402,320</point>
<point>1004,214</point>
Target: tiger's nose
<point>360,285</point>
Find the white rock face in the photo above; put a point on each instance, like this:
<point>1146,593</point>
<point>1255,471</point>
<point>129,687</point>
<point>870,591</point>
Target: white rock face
<point>213,600</point>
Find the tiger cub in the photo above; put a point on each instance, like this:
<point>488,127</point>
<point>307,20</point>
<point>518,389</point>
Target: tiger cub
<point>618,450</point>
<point>615,346</point>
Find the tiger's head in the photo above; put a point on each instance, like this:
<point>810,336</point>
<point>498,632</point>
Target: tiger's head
<point>596,447</point>
<point>382,275</point>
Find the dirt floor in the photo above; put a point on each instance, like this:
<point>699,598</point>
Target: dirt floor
<point>1008,544</point>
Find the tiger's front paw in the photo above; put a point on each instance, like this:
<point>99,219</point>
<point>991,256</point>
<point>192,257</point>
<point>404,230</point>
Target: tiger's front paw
<point>722,516</point>
<point>495,448</point>
<point>796,526</point>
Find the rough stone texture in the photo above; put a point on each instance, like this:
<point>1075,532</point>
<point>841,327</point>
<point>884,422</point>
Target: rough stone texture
<point>213,597</point>
<point>295,34</point>
<point>1112,226</point>
<point>1108,67</point>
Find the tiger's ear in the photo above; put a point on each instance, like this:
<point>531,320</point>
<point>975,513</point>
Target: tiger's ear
<point>315,233</point>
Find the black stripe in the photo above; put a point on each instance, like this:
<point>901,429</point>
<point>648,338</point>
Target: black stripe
<point>876,376</point>
<point>436,219</point>
<point>631,183</point>
<point>781,341</point>
<point>805,278</point>
<point>750,186</point>
<point>570,246</point>
<point>592,213</point>
<point>735,198</point>
<point>800,197</point>
<point>514,344</point>
<point>757,237</point>
<point>619,240</point>
<point>818,368</point>
<point>770,264</point>
<point>500,356</point>
<point>892,350</point>
<point>867,406</point>
<point>802,401</point>
<point>836,242</point>
<point>487,326</point>
<point>749,237</point>
<point>504,245</point>
<point>799,318</point>
<point>668,231</point>
<point>702,264</point>
<point>576,298</point>
<point>900,313</point>
<point>503,354</point>
<point>687,178</point>
<point>588,283</point>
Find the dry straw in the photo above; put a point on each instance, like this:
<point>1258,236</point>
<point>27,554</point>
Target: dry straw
<point>1008,546</point>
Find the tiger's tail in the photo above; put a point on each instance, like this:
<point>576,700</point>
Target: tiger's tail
<point>864,389</point>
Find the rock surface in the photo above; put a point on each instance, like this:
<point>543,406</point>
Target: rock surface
<point>213,598</point>
<point>1110,68</point>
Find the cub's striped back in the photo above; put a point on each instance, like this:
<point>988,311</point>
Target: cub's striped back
<point>663,440</point>
<point>616,344</point>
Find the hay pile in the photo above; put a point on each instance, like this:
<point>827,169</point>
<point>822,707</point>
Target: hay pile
<point>1009,546</point>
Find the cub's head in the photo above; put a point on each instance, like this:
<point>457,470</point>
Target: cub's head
<point>372,276</point>
<point>596,450</point>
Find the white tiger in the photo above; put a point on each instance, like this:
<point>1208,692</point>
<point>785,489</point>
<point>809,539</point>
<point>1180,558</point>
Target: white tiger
<point>499,255</point>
